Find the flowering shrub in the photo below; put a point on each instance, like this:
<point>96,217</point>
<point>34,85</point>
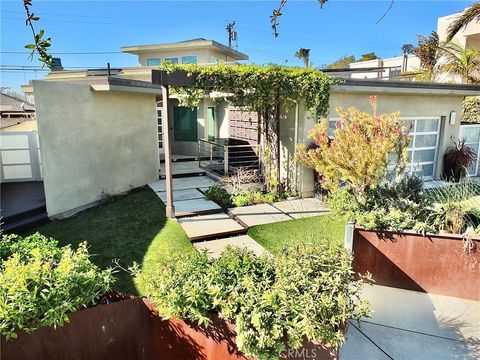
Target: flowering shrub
<point>358,153</point>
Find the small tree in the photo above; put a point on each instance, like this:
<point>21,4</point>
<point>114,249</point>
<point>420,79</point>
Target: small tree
<point>303,54</point>
<point>358,153</point>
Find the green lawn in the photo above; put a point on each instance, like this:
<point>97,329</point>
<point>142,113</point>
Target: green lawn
<point>133,228</point>
<point>275,236</point>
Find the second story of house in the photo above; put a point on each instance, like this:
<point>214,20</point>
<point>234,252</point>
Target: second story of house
<point>196,51</point>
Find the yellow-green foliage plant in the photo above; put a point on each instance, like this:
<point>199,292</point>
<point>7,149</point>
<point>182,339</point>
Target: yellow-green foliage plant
<point>359,151</point>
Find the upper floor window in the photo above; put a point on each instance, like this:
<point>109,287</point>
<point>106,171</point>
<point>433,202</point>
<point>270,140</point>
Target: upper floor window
<point>153,62</point>
<point>173,60</point>
<point>189,59</point>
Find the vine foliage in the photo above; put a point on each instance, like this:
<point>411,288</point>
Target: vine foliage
<point>269,90</point>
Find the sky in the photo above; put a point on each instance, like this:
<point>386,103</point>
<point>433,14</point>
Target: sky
<point>102,27</point>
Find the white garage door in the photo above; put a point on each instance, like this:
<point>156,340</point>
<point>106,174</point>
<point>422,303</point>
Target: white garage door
<point>423,148</point>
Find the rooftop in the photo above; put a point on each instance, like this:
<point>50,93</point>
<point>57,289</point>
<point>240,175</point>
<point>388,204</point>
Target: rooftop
<point>187,44</point>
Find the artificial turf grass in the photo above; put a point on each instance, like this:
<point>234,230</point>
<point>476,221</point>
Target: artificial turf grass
<point>325,228</point>
<point>133,228</point>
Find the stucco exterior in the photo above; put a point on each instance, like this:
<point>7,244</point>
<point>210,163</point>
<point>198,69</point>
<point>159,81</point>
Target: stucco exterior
<point>93,144</point>
<point>409,105</point>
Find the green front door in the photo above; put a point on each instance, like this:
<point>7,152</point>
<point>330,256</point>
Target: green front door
<point>211,123</point>
<point>185,124</point>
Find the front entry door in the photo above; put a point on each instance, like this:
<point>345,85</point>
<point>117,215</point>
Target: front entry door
<point>185,124</point>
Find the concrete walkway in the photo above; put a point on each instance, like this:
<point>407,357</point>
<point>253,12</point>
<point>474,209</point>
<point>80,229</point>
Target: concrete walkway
<point>203,219</point>
<point>413,325</point>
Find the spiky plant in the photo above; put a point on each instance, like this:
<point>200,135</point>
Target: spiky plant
<point>469,15</point>
<point>461,62</point>
<point>427,51</point>
<point>456,161</point>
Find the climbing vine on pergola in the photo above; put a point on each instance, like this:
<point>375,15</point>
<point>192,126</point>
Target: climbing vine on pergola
<point>269,90</point>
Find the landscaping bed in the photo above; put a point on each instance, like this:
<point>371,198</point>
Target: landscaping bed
<point>445,264</point>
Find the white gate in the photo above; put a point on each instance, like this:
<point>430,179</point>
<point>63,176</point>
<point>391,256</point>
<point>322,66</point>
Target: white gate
<point>20,157</point>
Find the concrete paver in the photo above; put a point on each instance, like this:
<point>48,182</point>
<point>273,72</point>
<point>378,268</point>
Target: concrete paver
<point>215,247</point>
<point>258,214</point>
<point>191,182</point>
<point>210,226</point>
<point>195,207</point>
<point>183,167</point>
<point>300,208</point>
<point>179,195</point>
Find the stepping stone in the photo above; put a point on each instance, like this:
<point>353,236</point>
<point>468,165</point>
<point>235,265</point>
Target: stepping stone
<point>258,214</point>
<point>180,195</point>
<point>195,207</point>
<point>300,208</point>
<point>215,247</point>
<point>210,226</point>
<point>182,168</point>
<point>192,182</point>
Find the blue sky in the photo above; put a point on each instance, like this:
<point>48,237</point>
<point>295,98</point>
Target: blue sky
<point>341,27</point>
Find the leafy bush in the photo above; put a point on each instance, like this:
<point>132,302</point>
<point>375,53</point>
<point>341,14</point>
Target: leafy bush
<point>471,110</point>
<point>342,201</point>
<point>306,292</point>
<point>219,195</point>
<point>40,283</point>
<point>248,197</point>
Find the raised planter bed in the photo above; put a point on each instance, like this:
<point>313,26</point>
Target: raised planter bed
<point>432,263</point>
<point>131,329</point>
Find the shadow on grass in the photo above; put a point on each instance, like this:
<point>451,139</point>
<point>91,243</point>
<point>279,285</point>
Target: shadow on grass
<point>132,228</point>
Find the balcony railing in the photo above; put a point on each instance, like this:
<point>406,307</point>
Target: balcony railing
<point>223,156</point>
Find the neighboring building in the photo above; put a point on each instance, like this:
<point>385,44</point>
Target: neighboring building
<point>385,69</point>
<point>14,107</point>
<point>391,68</point>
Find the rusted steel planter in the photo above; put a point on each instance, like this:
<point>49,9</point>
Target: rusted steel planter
<point>131,329</point>
<point>432,263</point>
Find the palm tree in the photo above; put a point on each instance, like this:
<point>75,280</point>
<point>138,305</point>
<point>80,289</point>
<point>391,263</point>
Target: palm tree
<point>469,15</point>
<point>303,54</point>
<point>462,62</point>
<point>428,52</point>
<point>407,49</point>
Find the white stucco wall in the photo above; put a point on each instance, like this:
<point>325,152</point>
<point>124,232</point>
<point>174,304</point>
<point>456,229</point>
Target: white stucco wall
<point>408,105</point>
<point>93,143</point>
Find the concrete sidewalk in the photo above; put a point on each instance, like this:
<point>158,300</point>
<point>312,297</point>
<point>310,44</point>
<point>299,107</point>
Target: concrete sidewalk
<point>413,325</point>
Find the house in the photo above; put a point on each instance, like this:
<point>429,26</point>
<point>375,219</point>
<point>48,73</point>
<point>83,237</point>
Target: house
<point>392,68</point>
<point>16,114</point>
<point>102,134</point>
<point>209,120</point>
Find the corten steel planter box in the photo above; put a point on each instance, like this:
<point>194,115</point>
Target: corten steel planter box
<point>131,329</point>
<point>432,263</point>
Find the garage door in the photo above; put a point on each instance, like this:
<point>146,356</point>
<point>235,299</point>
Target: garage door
<point>423,149</point>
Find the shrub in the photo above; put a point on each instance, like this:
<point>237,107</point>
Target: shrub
<point>307,292</point>
<point>40,283</point>
<point>247,197</point>
<point>219,195</point>
<point>456,161</point>
<point>471,110</point>
<point>342,201</point>
<point>358,153</point>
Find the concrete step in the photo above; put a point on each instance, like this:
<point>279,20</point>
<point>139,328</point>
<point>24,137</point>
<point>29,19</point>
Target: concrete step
<point>211,226</point>
<point>25,223</point>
